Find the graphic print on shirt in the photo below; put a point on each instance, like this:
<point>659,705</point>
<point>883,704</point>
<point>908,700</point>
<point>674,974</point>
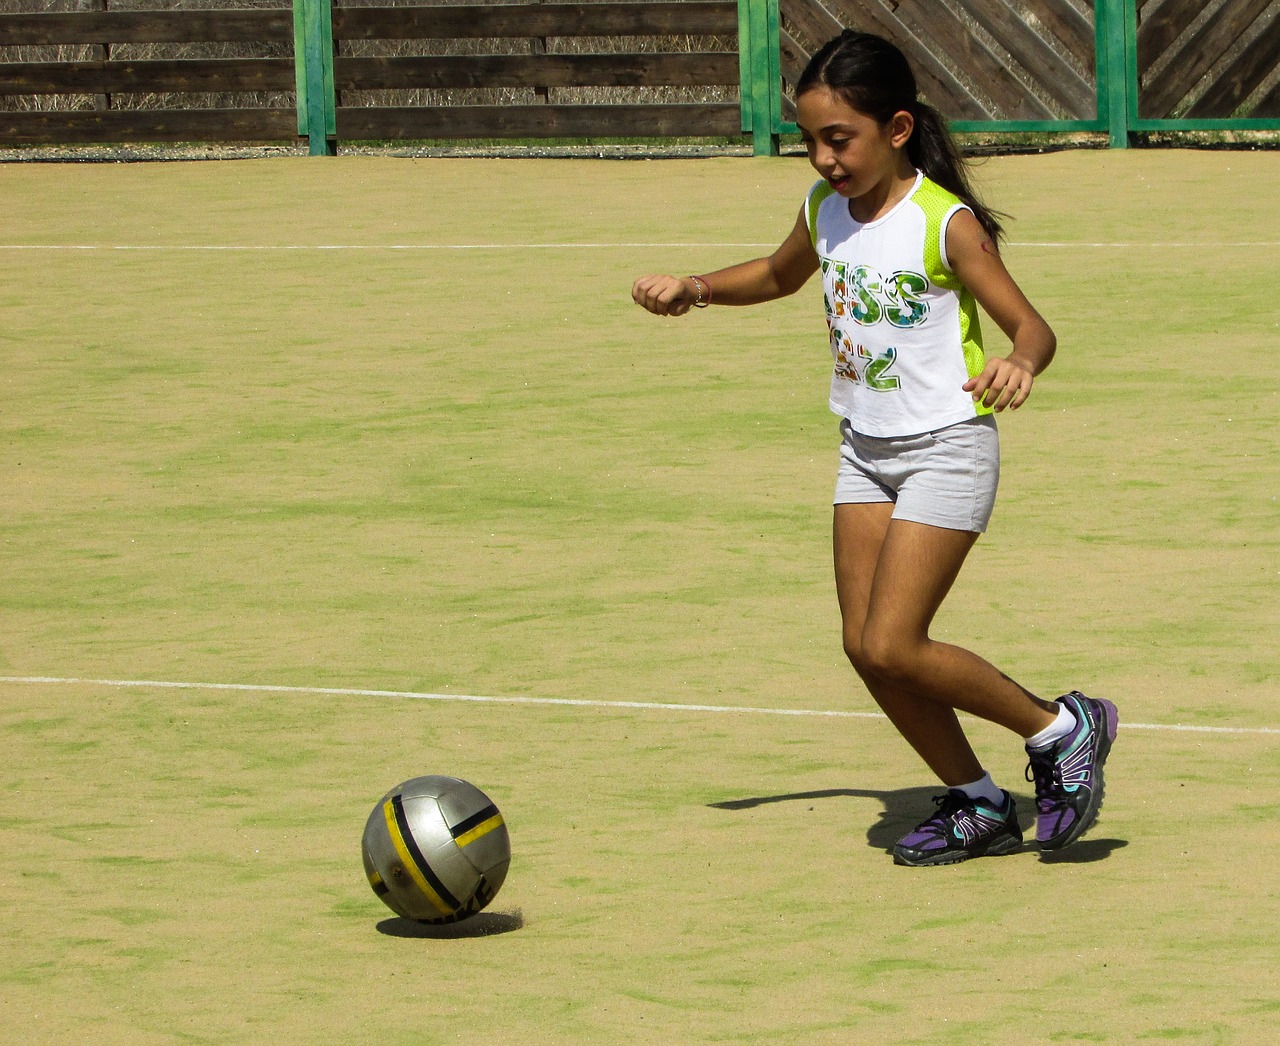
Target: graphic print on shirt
<point>873,368</point>
<point>865,297</point>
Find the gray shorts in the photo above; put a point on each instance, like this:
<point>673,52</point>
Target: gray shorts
<point>945,478</point>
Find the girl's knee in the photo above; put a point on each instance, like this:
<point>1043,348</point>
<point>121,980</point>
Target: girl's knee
<point>853,650</point>
<point>870,659</point>
<point>886,656</point>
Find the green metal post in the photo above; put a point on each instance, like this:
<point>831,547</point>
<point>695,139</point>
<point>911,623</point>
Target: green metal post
<point>313,58</point>
<point>744,64</point>
<point>1117,67</point>
<point>300,65</point>
<point>765,92</point>
<point>774,29</point>
<point>1132,115</point>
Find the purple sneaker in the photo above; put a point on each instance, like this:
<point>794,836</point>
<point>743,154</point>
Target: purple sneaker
<point>962,828</point>
<point>1068,774</point>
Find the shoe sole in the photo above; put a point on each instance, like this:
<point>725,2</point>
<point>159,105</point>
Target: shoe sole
<point>1097,790</point>
<point>998,848</point>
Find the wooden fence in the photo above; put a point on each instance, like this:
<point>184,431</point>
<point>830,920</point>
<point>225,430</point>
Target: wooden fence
<point>544,71</point>
<point>348,74</point>
<point>1119,66</point>
<point>101,78</point>
<point>983,61</point>
<point>1194,62</point>
<point>1113,66</point>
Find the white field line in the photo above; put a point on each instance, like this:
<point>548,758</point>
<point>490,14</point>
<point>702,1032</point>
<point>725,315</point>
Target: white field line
<point>1130,245</point>
<point>564,246</point>
<point>660,706</point>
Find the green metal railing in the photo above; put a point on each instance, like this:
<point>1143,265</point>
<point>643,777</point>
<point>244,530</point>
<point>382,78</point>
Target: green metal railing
<point>1116,69</point>
<point>759,58</point>
<point>1135,122</point>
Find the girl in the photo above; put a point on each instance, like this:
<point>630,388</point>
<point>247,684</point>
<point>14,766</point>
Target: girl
<point>905,248</point>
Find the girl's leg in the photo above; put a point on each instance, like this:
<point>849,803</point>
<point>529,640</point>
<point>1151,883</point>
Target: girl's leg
<point>930,727</point>
<point>891,576</point>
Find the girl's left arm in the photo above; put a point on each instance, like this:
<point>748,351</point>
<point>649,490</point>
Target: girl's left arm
<point>1005,381</point>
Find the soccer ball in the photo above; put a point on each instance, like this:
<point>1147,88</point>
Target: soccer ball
<point>436,849</point>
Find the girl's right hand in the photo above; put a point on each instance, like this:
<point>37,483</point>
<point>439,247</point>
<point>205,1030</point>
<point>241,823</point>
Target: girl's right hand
<point>665,295</point>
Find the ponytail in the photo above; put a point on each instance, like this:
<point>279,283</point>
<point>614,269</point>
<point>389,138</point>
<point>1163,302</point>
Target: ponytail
<point>932,149</point>
<point>874,77</point>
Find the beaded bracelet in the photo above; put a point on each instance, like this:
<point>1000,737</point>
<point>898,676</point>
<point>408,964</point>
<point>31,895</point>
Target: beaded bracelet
<point>701,285</point>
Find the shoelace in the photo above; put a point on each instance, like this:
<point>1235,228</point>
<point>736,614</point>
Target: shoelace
<point>947,805</point>
<point>1045,773</point>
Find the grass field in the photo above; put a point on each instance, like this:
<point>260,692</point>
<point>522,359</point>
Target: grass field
<point>356,438</point>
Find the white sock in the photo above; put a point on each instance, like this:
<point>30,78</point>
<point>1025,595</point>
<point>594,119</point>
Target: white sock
<point>983,788</point>
<point>1059,728</point>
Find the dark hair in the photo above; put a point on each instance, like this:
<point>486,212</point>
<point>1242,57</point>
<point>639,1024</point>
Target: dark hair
<point>874,77</point>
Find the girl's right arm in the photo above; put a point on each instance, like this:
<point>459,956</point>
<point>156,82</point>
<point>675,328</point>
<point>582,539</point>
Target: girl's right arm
<point>749,283</point>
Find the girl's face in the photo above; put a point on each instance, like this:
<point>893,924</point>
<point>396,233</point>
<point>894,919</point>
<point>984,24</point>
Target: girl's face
<point>850,149</point>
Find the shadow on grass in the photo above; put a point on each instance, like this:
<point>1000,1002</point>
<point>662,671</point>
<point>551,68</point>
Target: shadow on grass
<point>485,924</point>
<point>902,809</point>
<point>1083,852</point>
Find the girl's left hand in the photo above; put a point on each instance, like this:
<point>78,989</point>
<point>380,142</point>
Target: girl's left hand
<point>1002,383</point>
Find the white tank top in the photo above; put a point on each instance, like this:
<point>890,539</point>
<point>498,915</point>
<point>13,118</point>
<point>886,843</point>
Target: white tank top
<point>904,330</point>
